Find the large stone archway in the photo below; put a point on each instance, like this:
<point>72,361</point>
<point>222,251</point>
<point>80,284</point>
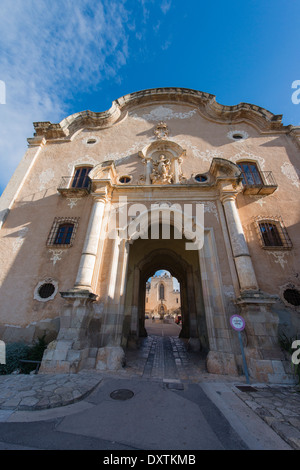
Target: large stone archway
<point>148,256</point>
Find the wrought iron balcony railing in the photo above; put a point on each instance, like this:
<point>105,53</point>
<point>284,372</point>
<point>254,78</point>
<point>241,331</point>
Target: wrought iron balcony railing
<point>71,185</point>
<point>260,183</point>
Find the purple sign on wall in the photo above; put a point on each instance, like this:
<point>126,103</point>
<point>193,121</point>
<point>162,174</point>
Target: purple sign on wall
<point>237,322</point>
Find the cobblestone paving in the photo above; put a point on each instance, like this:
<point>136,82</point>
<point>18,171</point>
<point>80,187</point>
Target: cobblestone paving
<point>163,358</point>
<point>38,392</point>
<point>279,407</point>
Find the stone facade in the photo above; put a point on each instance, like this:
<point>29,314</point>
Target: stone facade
<point>162,297</point>
<point>76,241</point>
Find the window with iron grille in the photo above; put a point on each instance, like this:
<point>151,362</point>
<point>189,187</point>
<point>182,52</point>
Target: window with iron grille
<point>270,234</point>
<point>64,234</point>
<point>63,231</point>
<point>273,234</point>
<point>46,290</point>
<point>292,296</point>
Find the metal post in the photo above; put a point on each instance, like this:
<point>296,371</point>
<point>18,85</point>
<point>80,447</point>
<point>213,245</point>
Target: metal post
<point>244,358</point>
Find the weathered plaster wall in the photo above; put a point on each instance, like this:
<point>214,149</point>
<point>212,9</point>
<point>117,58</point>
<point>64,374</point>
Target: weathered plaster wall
<point>26,260</point>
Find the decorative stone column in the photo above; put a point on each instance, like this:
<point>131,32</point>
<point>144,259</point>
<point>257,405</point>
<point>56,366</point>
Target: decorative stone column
<point>264,357</point>
<point>89,252</point>
<point>242,259</point>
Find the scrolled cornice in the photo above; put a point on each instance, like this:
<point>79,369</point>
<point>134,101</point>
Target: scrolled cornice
<point>206,103</point>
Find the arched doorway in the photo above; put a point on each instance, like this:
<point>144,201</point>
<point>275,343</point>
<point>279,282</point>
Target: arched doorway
<point>146,256</point>
<point>163,305</point>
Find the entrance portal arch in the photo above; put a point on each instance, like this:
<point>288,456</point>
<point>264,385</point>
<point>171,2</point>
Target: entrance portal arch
<point>146,256</point>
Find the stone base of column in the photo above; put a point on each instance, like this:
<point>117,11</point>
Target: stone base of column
<point>266,361</point>
<point>76,346</point>
<point>221,363</point>
<point>69,352</point>
<point>110,358</point>
<point>60,358</point>
<point>276,371</point>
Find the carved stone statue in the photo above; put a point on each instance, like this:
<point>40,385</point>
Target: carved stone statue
<point>160,173</point>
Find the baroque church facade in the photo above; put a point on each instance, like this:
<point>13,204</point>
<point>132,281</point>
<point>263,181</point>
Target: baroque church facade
<point>162,297</point>
<point>84,225</point>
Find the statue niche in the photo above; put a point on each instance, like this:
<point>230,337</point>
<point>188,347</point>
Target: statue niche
<point>160,173</point>
<point>162,160</point>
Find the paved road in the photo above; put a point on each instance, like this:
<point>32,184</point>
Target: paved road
<point>174,406</point>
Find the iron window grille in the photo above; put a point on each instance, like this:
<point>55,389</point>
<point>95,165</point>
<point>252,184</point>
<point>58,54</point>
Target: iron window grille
<point>46,290</point>
<point>272,233</point>
<point>292,296</point>
<point>62,233</point>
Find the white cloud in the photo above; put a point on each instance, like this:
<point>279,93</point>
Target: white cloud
<point>51,50</point>
<point>166,45</point>
<point>165,6</point>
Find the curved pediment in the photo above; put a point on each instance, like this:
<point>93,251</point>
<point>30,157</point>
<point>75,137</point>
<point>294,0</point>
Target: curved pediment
<point>104,171</point>
<point>205,103</point>
<point>221,168</point>
<point>166,147</point>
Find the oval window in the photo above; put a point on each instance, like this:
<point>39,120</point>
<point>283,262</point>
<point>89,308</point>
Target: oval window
<point>201,178</point>
<point>124,179</point>
<point>292,296</point>
<point>46,290</point>
<point>237,136</point>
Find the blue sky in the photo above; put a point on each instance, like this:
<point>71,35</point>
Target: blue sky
<point>59,57</point>
<point>176,284</point>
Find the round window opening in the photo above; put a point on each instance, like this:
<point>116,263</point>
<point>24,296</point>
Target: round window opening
<point>201,178</point>
<point>124,179</point>
<point>46,290</point>
<point>292,296</point>
<point>237,136</point>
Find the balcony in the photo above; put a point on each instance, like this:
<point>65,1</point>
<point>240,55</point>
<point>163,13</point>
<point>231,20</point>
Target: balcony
<point>259,183</point>
<point>71,186</point>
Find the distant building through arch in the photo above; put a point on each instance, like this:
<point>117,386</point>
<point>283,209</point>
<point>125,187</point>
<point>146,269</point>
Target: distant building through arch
<point>162,295</point>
